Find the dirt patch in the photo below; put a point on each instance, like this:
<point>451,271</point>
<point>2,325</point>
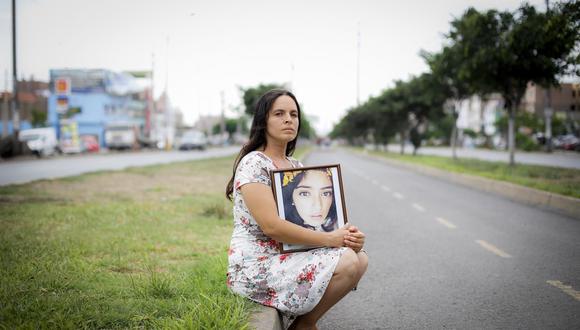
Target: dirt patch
<point>173,181</point>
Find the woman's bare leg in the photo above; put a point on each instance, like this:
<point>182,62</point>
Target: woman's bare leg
<point>349,270</point>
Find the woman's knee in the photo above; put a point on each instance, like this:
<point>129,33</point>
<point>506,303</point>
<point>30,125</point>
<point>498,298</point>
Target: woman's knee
<point>348,265</point>
<point>363,262</point>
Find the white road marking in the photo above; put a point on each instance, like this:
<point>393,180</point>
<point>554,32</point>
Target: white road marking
<point>418,207</point>
<point>493,249</point>
<point>446,223</point>
<point>398,195</point>
<point>385,188</point>
<point>566,288</point>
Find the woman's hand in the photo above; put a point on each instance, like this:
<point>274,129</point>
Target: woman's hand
<point>337,237</point>
<point>355,239</point>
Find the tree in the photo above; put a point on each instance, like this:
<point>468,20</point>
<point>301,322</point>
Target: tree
<point>231,126</point>
<point>445,68</point>
<point>38,118</point>
<point>505,51</point>
<point>251,95</point>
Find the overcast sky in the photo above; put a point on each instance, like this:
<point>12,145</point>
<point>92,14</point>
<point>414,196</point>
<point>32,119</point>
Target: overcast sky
<point>200,48</point>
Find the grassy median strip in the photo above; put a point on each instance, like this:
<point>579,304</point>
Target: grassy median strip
<point>557,180</point>
<point>144,247</point>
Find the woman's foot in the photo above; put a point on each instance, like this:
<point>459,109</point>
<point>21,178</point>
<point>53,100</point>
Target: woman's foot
<point>300,324</point>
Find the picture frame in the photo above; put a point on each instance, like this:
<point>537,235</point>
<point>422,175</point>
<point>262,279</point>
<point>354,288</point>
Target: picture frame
<point>311,197</point>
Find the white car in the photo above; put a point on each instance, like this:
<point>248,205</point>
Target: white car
<point>192,140</point>
<point>41,141</point>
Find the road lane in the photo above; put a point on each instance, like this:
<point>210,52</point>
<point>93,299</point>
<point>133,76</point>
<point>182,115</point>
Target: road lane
<point>429,271</point>
<point>16,172</point>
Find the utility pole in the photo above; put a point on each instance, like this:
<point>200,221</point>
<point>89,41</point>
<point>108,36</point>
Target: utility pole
<point>5,107</point>
<point>358,65</point>
<point>14,103</point>
<point>223,119</point>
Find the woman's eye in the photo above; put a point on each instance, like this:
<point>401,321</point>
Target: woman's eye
<point>304,194</point>
<point>294,115</point>
<point>327,193</point>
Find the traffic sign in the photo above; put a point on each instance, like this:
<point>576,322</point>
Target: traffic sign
<point>62,86</point>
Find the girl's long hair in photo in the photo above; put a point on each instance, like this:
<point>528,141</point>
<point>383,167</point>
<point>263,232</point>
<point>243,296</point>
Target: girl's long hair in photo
<point>291,212</point>
<point>258,131</point>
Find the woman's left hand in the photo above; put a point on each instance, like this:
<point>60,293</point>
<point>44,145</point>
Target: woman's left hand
<point>355,239</point>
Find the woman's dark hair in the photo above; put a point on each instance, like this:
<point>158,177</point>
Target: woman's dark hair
<point>291,212</point>
<point>258,131</point>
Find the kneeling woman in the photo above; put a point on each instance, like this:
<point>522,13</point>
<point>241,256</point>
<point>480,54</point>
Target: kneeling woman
<point>301,285</point>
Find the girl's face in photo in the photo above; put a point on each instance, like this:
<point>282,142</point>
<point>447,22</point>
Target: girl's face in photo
<point>313,197</point>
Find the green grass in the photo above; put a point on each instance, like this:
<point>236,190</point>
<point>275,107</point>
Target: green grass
<point>552,179</point>
<point>141,248</point>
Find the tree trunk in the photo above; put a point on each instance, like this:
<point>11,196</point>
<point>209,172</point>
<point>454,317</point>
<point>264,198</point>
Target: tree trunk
<point>454,132</point>
<point>548,115</point>
<point>512,134</point>
<point>482,104</point>
<point>402,134</point>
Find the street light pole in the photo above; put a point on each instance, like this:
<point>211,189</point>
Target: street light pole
<point>358,65</point>
<point>14,103</point>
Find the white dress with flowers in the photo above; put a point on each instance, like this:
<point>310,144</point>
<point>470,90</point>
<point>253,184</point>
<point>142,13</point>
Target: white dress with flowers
<point>293,283</point>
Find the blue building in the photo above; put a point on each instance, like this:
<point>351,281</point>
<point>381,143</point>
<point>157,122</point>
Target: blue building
<point>95,99</point>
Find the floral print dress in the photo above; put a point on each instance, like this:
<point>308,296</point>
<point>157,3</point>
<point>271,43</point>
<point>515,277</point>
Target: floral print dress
<point>294,282</point>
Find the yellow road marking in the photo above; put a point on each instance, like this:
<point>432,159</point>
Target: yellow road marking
<point>446,223</point>
<point>385,188</point>
<point>398,195</point>
<point>493,249</point>
<point>566,288</point>
<point>418,207</point>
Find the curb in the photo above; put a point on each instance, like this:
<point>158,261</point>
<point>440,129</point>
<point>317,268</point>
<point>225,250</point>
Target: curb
<point>265,318</point>
<point>565,205</point>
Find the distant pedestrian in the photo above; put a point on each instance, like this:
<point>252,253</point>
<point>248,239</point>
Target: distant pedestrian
<point>303,286</point>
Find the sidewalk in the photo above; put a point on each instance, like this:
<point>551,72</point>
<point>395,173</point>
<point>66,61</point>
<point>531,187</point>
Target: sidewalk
<point>569,159</point>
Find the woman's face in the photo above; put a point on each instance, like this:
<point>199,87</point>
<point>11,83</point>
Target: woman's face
<point>282,123</point>
<point>313,197</point>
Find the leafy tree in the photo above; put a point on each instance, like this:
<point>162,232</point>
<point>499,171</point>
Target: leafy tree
<point>38,118</point>
<point>251,95</point>
<point>445,68</point>
<point>306,129</point>
<point>505,51</point>
<point>231,126</point>
<point>354,126</point>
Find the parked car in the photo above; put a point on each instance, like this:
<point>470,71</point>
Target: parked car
<point>41,141</point>
<point>567,142</point>
<point>89,143</point>
<point>192,140</point>
<point>121,135</point>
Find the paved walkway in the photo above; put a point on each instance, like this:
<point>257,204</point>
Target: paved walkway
<point>558,158</point>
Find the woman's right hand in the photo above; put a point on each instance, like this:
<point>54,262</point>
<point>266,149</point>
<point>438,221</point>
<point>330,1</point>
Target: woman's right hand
<point>336,237</point>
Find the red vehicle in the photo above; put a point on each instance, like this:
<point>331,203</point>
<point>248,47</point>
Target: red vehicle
<point>89,143</point>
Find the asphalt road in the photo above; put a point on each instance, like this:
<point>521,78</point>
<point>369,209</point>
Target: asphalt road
<point>444,256</point>
<point>14,172</point>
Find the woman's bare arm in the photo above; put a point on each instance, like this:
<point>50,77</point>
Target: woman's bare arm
<point>260,201</point>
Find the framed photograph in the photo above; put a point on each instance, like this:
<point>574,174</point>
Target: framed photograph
<point>311,197</point>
